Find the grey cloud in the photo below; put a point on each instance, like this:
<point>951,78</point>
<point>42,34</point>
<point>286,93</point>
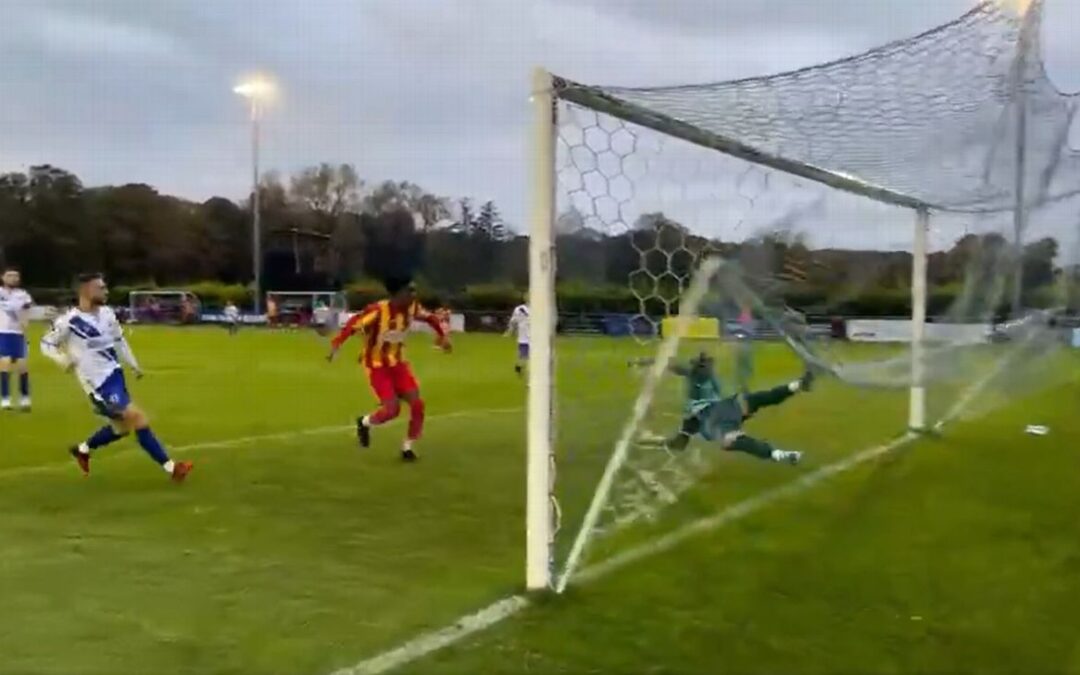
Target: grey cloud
<point>428,90</point>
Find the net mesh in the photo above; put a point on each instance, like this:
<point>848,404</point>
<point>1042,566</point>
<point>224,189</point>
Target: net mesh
<point>769,271</point>
<point>935,117</point>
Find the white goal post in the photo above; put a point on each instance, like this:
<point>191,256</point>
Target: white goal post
<point>993,152</point>
<point>541,507</point>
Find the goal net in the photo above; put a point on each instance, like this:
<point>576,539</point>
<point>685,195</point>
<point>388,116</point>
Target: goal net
<point>164,306</point>
<point>900,225</point>
<point>318,309</point>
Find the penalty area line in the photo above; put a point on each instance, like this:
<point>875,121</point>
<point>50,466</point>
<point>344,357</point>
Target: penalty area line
<point>428,643</point>
<point>280,436</point>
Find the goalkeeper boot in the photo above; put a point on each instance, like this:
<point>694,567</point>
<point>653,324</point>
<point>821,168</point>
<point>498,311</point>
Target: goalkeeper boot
<point>806,382</point>
<point>363,433</point>
<point>81,458</point>
<point>792,457</point>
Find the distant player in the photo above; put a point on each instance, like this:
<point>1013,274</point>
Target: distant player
<point>519,326</point>
<point>273,312</point>
<point>718,418</point>
<point>384,326</point>
<point>15,306</point>
<point>232,317</point>
<point>89,341</point>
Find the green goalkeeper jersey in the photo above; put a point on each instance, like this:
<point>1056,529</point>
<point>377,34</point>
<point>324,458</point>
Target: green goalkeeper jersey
<point>716,414</point>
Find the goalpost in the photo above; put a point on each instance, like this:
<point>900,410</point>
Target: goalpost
<point>315,308</point>
<point>164,306</point>
<point>819,126</point>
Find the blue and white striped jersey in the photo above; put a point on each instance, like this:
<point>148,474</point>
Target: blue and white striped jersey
<point>14,305</point>
<point>91,342</point>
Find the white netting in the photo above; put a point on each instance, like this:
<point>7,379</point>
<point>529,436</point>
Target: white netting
<point>933,118</point>
<point>645,200</point>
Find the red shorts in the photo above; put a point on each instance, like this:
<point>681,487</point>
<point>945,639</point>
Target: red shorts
<point>392,382</point>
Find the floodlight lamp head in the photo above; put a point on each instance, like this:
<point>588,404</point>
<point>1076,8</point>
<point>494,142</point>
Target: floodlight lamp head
<point>1018,7</point>
<point>259,88</point>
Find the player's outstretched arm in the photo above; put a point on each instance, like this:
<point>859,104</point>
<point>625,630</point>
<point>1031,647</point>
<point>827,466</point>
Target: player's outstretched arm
<point>442,340</point>
<point>357,323</point>
<point>123,350</point>
<point>54,344</point>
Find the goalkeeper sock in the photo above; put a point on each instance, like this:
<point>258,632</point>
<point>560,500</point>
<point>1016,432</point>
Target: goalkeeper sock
<point>5,385</point>
<point>775,396</point>
<point>416,419</point>
<point>149,442</point>
<point>100,438</point>
<point>752,446</point>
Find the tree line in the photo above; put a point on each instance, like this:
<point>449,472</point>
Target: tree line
<point>323,226</point>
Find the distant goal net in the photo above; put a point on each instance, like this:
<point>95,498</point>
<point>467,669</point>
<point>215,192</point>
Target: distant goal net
<point>853,252</point>
<point>321,310</point>
<point>164,306</point>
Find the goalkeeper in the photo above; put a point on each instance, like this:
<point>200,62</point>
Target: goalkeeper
<point>714,417</point>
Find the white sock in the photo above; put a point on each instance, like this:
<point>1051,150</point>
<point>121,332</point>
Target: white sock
<point>366,421</point>
<point>407,445</point>
<point>795,386</point>
<point>168,466</point>
<point>84,449</point>
<point>779,455</point>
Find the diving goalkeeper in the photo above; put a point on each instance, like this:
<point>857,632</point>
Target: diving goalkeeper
<point>714,417</point>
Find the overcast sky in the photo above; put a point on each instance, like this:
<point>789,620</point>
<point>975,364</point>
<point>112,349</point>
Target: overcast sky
<point>433,91</point>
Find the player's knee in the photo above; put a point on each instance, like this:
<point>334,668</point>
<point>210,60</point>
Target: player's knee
<point>135,419</point>
<point>392,409</point>
<point>22,366</point>
<point>728,441</point>
<point>416,406</point>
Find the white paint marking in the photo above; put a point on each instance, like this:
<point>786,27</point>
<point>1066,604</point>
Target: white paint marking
<point>15,472</point>
<point>431,642</point>
<point>428,643</point>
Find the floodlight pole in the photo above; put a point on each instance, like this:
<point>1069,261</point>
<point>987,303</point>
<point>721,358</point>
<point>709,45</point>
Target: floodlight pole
<point>256,203</point>
<point>917,410</point>
<point>540,507</point>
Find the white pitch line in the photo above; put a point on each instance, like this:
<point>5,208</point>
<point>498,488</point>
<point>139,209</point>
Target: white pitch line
<point>245,440</point>
<point>431,642</point>
<point>464,627</point>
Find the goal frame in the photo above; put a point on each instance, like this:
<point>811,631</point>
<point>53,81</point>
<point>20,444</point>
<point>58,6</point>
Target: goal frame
<point>162,293</point>
<point>547,90</point>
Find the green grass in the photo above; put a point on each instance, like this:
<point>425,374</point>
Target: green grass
<point>300,554</point>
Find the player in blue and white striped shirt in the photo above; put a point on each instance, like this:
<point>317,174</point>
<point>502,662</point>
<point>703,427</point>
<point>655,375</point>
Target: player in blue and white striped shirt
<point>89,341</point>
<point>15,306</point>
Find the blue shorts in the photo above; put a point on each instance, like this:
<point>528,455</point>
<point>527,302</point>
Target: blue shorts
<point>523,350</point>
<point>12,346</point>
<point>111,399</point>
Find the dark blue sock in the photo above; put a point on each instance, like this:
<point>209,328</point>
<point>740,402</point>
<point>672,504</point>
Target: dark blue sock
<point>24,384</point>
<point>152,445</point>
<point>5,385</point>
<point>103,437</point>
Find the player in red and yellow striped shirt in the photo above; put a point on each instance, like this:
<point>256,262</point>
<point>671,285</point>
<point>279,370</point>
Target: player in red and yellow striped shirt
<point>384,325</point>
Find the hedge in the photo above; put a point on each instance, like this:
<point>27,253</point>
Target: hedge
<point>581,298</point>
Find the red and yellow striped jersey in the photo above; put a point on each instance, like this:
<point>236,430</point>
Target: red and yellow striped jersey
<point>385,326</point>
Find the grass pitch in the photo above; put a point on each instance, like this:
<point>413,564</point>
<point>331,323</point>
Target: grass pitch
<point>289,550</point>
